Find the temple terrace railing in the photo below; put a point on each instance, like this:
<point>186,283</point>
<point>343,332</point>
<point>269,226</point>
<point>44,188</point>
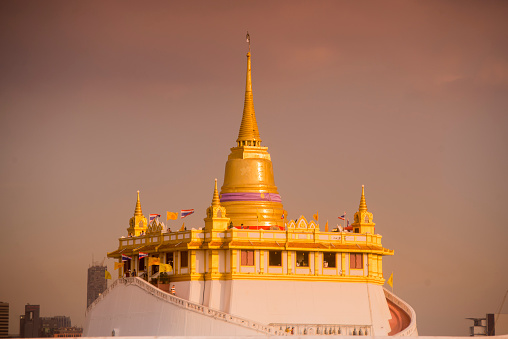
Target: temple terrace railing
<point>410,330</point>
<point>325,329</point>
<point>194,307</point>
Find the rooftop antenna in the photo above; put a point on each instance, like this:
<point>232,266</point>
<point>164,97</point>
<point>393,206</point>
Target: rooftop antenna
<point>247,37</point>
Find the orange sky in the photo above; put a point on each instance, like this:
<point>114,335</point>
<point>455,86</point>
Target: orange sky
<point>100,99</point>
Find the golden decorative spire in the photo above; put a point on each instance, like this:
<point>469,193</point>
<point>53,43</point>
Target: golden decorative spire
<point>215,199</point>
<point>249,133</point>
<point>363,203</point>
<point>138,211</point>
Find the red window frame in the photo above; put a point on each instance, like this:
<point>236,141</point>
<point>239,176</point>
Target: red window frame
<point>356,260</point>
<point>247,258</point>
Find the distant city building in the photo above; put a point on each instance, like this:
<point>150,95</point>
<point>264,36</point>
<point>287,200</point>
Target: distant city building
<point>4,320</point>
<point>50,325</point>
<point>30,323</point>
<point>97,283</point>
<point>68,332</point>
<point>492,324</point>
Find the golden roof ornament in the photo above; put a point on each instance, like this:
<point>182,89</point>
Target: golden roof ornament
<point>363,220</point>
<point>138,222</point>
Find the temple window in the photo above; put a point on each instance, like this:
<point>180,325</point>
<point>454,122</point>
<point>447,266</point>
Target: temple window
<point>219,214</point>
<point>355,260</point>
<point>184,258</point>
<point>329,259</point>
<point>302,259</point>
<point>275,258</point>
<point>367,218</point>
<point>247,258</point>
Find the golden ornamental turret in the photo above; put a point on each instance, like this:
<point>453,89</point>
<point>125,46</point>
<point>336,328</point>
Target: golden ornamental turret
<point>216,214</point>
<point>249,192</point>
<point>363,219</point>
<point>138,222</point>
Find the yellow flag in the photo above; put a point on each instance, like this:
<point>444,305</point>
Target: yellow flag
<point>316,216</point>
<point>326,226</point>
<point>390,280</point>
<point>153,261</point>
<point>259,216</point>
<point>172,215</point>
<point>182,228</point>
<point>165,268</point>
<point>118,265</point>
<point>108,275</point>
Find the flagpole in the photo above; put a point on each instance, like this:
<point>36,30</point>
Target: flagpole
<point>392,281</point>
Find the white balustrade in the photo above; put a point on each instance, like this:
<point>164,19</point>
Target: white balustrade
<point>410,330</point>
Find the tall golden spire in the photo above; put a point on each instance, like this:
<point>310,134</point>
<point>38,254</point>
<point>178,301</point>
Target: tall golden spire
<point>363,203</point>
<point>215,199</point>
<point>248,193</point>
<point>249,133</point>
<point>138,211</point>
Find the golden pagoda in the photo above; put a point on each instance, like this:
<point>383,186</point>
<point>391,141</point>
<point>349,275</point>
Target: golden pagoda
<point>250,267</point>
<point>249,193</point>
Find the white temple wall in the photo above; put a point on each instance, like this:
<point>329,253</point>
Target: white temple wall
<point>222,261</point>
<point>200,261</point>
<point>195,291</point>
<point>133,312</point>
<point>306,302</point>
<point>183,289</point>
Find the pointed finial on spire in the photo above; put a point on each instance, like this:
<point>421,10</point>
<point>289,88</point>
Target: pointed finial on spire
<point>247,37</point>
<point>215,199</point>
<point>363,203</point>
<point>249,133</point>
<point>138,211</point>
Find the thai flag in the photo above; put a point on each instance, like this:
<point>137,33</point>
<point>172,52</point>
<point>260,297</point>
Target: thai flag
<point>282,216</point>
<point>342,217</point>
<point>142,255</point>
<point>184,213</point>
<point>125,258</point>
<point>153,216</point>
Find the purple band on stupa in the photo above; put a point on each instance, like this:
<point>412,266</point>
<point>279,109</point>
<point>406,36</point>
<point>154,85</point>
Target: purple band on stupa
<point>250,197</point>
